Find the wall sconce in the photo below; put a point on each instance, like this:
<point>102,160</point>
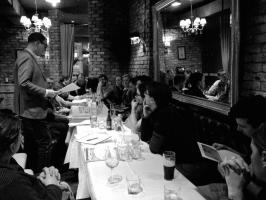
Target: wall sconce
<point>136,39</point>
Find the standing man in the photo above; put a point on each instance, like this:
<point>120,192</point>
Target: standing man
<point>31,102</point>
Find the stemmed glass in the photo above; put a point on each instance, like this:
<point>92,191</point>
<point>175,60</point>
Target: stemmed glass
<point>112,161</point>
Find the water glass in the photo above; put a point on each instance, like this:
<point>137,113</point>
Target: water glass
<point>136,149</point>
<point>134,184</point>
<point>94,122</point>
<point>171,191</point>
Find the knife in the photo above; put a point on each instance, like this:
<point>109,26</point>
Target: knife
<point>92,139</point>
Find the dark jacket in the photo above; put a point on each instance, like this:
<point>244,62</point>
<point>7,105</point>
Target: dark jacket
<point>194,91</point>
<point>167,129</point>
<point>16,184</point>
<point>30,84</point>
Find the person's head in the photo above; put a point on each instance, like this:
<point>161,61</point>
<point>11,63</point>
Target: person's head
<point>195,79</point>
<point>37,42</point>
<point>125,80</point>
<point>103,78</point>
<point>63,80</point>
<point>118,81</point>
<point>141,89</point>
<point>50,83</point>
<point>10,133</point>
<point>249,113</point>
<point>187,73</point>
<point>157,95</point>
<point>132,83</point>
<point>81,80</point>
<point>258,145</point>
<point>222,75</point>
<point>74,77</point>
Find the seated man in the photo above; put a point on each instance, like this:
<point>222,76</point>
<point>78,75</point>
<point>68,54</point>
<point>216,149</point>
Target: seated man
<point>243,181</point>
<point>14,182</point>
<point>117,91</point>
<point>103,90</point>
<point>249,113</point>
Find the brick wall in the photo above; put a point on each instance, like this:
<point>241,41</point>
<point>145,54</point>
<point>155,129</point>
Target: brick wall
<point>169,55</point>
<point>53,66</point>
<point>253,57</point>
<point>9,46</point>
<point>140,21</point>
<point>108,37</point>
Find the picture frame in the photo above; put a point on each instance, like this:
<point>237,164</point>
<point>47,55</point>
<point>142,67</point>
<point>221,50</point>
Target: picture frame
<point>181,52</point>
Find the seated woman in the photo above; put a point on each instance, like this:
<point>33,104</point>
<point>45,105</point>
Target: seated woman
<point>195,81</point>
<point>164,127</point>
<point>14,182</point>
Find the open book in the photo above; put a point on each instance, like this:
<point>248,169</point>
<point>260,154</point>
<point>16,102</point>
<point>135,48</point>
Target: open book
<point>209,152</point>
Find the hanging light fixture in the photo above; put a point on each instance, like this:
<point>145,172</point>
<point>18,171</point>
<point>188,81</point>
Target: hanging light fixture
<point>53,2</point>
<point>192,25</point>
<point>35,24</point>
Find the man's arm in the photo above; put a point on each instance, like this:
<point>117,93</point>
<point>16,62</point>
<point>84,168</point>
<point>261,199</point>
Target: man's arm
<point>25,72</point>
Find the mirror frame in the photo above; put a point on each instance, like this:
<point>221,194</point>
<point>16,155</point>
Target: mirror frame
<point>234,62</point>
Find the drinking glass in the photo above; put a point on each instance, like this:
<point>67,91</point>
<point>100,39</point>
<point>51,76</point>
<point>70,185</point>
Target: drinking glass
<point>133,184</point>
<point>172,191</point>
<point>111,160</point>
<point>169,164</point>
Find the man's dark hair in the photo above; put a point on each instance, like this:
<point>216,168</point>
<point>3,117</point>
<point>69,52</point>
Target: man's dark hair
<point>252,108</point>
<point>160,92</point>
<point>103,76</point>
<point>36,37</point>
<point>9,129</point>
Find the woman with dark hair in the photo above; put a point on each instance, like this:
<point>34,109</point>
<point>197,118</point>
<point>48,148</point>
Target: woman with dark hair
<point>195,81</point>
<point>14,182</point>
<point>164,127</point>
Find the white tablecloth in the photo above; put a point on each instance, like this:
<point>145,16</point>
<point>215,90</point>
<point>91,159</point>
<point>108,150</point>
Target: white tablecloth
<point>93,176</point>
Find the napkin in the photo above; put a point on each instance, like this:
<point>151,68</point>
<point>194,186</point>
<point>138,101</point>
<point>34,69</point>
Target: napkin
<point>94,139</point>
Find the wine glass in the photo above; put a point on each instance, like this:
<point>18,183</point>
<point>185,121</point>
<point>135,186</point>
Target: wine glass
<point>111,160</point>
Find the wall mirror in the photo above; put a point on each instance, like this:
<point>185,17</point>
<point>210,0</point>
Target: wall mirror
<point>199,62</point>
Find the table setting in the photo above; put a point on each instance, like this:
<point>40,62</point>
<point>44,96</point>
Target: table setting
<point>116,164</point>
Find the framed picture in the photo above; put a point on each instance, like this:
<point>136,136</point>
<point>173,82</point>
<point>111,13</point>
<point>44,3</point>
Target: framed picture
<point>181,53</point>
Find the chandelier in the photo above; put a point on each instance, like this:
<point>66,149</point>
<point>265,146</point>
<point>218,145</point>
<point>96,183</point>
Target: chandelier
<point>35,24</point>
<point>193,24</point>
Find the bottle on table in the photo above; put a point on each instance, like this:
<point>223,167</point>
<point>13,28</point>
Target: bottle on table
<point>109,121</point>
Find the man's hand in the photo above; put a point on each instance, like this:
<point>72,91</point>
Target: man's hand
<point>51,93</point>
<point>49,176</point>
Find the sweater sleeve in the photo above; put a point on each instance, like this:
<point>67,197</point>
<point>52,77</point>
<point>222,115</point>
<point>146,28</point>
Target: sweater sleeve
<point>23,189</point>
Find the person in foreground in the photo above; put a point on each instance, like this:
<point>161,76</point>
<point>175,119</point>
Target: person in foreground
<point>243,182</point>
<point>14,182</point>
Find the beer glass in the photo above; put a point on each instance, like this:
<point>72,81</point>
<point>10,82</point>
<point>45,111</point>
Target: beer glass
<point>169,164</point>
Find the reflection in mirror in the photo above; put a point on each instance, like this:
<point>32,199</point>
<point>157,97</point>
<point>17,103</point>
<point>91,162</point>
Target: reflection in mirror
<point>196,63</point>
<point>213,51</point>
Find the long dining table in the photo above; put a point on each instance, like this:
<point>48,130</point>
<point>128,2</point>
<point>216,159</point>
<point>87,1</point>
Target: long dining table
<point>93,175</point>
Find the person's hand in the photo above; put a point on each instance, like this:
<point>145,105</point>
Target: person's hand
<point>219,146</point>
<point>237,165</point>
<point>49,177</point>
<point>236,173</point>
<point>51,93</point>
<point>134,104</point>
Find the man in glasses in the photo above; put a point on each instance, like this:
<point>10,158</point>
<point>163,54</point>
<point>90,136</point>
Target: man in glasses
<point>31,101</point>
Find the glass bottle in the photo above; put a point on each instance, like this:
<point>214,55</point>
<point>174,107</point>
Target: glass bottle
<point>109,121</point>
